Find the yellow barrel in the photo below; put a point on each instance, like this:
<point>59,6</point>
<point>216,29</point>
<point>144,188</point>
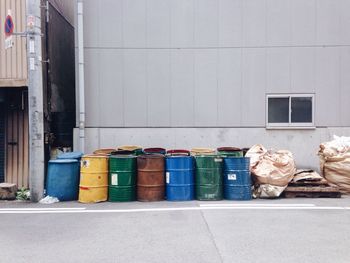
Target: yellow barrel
<point>93,186</point>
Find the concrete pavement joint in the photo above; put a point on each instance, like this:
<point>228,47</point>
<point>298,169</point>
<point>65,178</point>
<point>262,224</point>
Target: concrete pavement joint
<point>211,236</point>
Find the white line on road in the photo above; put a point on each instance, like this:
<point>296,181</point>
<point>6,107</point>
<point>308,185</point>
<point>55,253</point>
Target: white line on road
<point>170,209</point>
<point>44,208</point>
<point>257,205</point>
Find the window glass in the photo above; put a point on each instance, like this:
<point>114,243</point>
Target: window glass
<point>278,110</point>
<point>301,109</point>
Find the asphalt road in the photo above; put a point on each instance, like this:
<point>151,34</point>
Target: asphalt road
<point>285,230</point>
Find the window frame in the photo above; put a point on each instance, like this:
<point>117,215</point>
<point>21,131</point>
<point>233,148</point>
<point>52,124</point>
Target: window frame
<point>290,125</point>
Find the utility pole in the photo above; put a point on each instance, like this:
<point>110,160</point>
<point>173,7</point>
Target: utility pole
<point>35,100</point>
<point>80,29</point>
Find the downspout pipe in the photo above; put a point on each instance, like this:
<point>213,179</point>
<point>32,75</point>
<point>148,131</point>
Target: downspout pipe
<point>81,75</point>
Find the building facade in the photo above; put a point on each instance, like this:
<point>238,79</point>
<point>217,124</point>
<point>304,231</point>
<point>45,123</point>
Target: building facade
<point>14,158</point>
<point>59,85</point>
<point>209,73</point>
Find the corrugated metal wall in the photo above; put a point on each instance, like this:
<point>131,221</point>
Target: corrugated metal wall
<point>210,63</point>
<point>13,69</point>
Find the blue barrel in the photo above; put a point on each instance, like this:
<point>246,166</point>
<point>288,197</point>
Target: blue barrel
<point>179,178</point>
<point>70,155</point>
<point>63,179</point>
<point>237,180</point>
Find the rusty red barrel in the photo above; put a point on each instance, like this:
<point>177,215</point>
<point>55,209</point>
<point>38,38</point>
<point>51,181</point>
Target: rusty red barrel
<point>150,177</point>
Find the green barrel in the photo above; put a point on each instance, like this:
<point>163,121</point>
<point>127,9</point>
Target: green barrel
<point>138,152</point>
<point>122,178</point>
<point>209,177</point>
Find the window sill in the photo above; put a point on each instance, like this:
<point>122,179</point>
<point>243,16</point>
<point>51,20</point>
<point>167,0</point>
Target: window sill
<point>290,127</point>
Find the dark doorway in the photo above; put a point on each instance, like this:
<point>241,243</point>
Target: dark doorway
<point>14,127</point>
<point>2,138</point>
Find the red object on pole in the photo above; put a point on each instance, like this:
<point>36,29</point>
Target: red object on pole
<point>9,26</point>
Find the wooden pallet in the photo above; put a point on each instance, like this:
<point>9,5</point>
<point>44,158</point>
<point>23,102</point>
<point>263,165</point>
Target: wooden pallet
<point>311,189</point>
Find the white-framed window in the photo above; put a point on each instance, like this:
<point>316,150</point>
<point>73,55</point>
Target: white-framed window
<point>290,110</point>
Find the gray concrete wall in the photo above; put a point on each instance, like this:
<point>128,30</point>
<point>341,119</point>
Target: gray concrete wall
<point>210,63</point>
<point>203,68</point>
<point>304,144</point>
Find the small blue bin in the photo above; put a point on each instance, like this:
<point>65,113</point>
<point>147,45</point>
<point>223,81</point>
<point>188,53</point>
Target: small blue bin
<point>62,180</point>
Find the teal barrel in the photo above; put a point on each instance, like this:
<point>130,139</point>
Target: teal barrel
<point>122,178</point>
<point>209,177</point>
<point>63,179</point>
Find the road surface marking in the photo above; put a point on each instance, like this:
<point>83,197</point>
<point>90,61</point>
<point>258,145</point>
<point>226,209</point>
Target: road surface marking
<point>170,209</point>
<point>256,205</point>
<point>43,208</point>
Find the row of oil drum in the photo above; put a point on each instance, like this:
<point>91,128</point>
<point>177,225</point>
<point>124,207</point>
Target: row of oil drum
<point>175,176</point>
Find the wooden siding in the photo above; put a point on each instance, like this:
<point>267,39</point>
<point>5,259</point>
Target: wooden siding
<point>13,69</point>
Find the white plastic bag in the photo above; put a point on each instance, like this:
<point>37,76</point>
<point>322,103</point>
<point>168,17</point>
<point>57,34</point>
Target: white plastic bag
<point>49,200</point>
<point>268,191</point>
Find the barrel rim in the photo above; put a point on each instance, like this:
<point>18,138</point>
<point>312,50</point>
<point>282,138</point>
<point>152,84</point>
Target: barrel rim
<point>154,150</point>
<point>122,156</point>
<point>179,156</point>
<point>208,156</point>
<point>203,151</point>
<point>70,155</point>
<point>229,149</point>
<point>129,147</point>
<point>178,152</point>
<point>104,151</point>
<point>123,152</point>
<point>151,156</point>
<point>236,157</point>
<point>95,156</point>
<point>64,161</point>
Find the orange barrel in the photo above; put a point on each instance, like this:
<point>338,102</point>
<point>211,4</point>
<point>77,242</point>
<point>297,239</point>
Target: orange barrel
<point>150,177</point>
<point>93,186</point>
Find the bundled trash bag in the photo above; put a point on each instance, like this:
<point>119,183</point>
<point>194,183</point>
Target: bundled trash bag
<point>335,162</point>
<point>271,170</point>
